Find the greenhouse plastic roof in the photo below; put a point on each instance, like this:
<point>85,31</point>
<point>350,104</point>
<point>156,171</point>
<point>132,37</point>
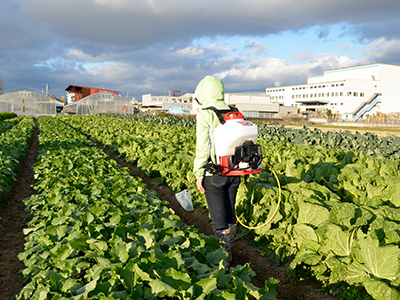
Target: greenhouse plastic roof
<point>28,103</point>
<point>103,102</point>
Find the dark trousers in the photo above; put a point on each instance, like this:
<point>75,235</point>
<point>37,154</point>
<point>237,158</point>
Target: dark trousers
<point>221,198</point>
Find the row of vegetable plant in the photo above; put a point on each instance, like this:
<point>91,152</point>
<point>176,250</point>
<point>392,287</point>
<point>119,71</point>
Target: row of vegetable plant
<point>339,215</point>
<point>339,212</point>
<point>14,144</point>
<point>4,115</point>
<point>170,120</point>
<point>157,149</point>
<point>96,232</point>
<point>9,123</point>
<point>368,142</point>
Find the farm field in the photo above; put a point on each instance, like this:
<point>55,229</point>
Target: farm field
<point>125,144</point>
<point>382,132</point>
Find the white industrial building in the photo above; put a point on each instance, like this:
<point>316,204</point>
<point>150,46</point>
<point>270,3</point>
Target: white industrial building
<point>168,102</point>
<point>350,93</point>
<point>251,105</point>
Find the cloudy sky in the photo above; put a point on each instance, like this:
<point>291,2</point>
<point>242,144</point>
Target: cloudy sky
<point>138,47</point>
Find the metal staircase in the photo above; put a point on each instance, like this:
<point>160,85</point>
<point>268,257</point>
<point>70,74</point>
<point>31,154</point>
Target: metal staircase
<point>366,106</point>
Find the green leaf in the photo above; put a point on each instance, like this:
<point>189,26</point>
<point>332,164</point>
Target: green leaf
<point>337,241</point>
<point>207,285</point>
<point>312,214</point>
<point>119,249</point>
<point>382,262</point>
<point>86,289</point>
<point>303,232</point>
<point>342,214</point>
<point>145,236</point>
<point>379,290</point>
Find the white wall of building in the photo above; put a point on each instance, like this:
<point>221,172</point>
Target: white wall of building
<point>344,90</point>
<point>152,102</point>
<point>251,105</point>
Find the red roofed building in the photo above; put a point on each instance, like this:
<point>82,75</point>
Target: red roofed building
<point>76,92</point>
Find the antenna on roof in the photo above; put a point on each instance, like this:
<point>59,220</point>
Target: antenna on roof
<point>176,93</point>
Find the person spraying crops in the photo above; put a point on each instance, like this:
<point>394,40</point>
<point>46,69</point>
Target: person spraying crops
<point>217,171</point>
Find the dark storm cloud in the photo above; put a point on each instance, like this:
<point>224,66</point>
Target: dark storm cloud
<point>147,46</point>
<point>142,23</point>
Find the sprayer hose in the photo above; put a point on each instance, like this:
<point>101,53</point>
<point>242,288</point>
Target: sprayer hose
<point>277,207</point>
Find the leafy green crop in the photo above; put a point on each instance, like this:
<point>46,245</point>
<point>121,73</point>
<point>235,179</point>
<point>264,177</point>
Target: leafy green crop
<point>339,214</point>
<point>96,232</point>
<point>171,120</point>
<point>369,143</point>
<point>14,145</point>
<point>4,115</point>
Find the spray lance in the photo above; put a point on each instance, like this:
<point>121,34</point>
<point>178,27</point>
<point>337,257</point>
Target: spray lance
<point>236,154</point>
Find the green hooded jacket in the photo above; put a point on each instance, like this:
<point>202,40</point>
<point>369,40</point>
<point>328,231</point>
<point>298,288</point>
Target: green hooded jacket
<point>209,92</point>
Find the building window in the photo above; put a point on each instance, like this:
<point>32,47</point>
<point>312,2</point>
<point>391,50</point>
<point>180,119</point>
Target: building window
<point>342,84</point>
<point>361,94</point>
<point>341,94</point>
<point>355,94</point>
<point>323,94</point>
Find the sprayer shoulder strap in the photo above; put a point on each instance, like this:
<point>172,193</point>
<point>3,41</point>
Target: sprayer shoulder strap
<point>221,112</point>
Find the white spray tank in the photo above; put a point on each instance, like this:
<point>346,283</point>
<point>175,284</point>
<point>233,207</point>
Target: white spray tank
<point>235,146</point>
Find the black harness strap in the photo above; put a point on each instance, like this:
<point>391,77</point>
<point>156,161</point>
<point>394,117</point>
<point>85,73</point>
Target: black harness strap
<point>221,112</point>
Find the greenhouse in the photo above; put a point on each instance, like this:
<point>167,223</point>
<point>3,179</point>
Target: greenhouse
<point>29,103</point>
<point>103,102</point>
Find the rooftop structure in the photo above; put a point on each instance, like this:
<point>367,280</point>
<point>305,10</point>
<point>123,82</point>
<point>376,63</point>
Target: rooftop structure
<point>76,92</point>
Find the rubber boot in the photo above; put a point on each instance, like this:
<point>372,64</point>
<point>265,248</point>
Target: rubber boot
<point>225,236</point>
<point>232,238</point>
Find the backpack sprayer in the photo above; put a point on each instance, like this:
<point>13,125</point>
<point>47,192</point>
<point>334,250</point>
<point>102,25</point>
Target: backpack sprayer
<point>235,147</point>
<point>237,154</point>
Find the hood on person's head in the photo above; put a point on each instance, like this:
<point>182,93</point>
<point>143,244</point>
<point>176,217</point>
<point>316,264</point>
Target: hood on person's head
<point>209,90</point>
